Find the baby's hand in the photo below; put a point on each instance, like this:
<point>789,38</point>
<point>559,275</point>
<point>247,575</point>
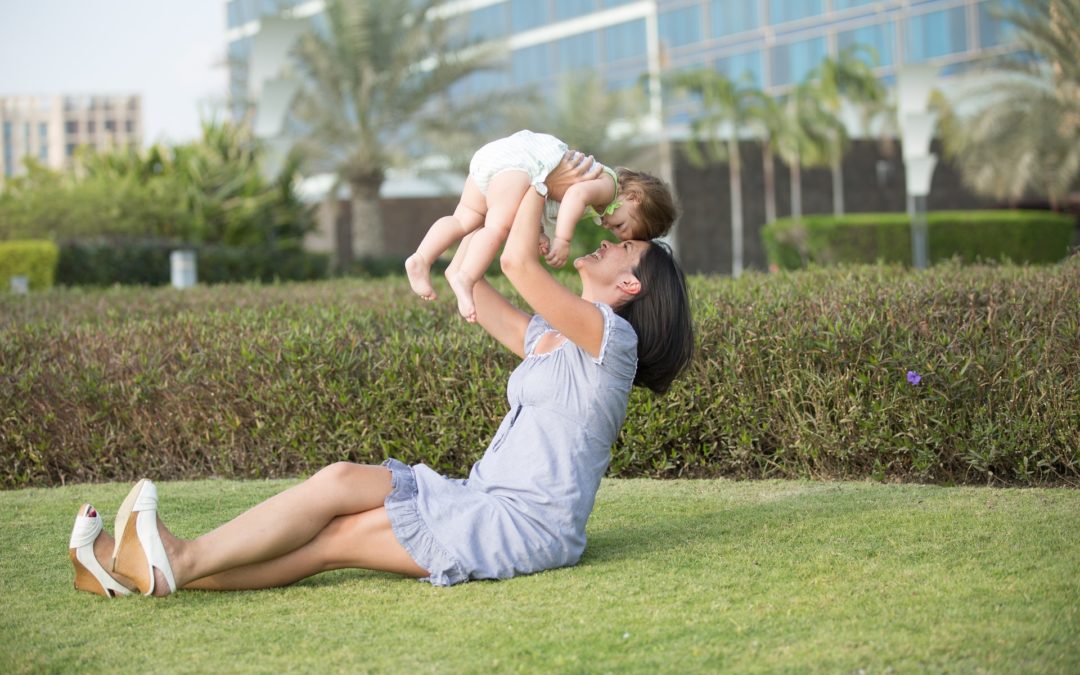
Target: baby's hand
<point>560,249</point>
<point>545,244</point>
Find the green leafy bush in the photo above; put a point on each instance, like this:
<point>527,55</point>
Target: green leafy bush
<point>1018,236</point>
<point>797,374</point>
<point>35,260</point>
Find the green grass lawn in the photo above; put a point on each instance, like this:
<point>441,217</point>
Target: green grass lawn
<point>679,576</point>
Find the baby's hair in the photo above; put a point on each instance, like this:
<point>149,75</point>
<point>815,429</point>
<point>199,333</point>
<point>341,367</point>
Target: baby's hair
<point>656,205</point>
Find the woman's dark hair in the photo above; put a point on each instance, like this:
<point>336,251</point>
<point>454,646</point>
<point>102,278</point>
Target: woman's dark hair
<point>660,315</point>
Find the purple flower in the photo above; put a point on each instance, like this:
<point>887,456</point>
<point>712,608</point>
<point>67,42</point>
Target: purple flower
<point>913,377</point>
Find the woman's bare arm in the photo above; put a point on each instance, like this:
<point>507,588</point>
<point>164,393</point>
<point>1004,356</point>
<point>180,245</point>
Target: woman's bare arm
<point>580,321</point>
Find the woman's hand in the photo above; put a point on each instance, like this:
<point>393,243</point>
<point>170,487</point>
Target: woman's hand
<point>575,167</point>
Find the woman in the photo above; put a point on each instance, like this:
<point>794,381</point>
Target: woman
<point>525,503</point>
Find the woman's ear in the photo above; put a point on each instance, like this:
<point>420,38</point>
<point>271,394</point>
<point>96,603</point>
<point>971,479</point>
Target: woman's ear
<point>629,284</point>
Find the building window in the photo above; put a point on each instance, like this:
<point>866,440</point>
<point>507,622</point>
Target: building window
<point>7,132</point>
<point>791,62</point>
<point>577,52</point>
<point>994,28</point>
<point>71,127</point>
<point>848,4</point>
<point>624,41</point>
<point>879,38</point>
<point>742,67</point>
<point>936,34</point>
<point>781,11</point>
<point>129,126</point>
<point>91,126</point>
<point>110,125</point>
<point>43,152</point>
<point>43,130</point>
<point>729,17</point>
<point>568,9</point>
<point>681,26</point>
<point>69,150</point>
<point>527,14</point>
<point>530,64</point>
<point>488,23</point>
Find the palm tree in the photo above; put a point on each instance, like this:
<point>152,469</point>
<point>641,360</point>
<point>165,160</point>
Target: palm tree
<point>1024,136</point>
<point>725,109</point>
<point>804,135</point>
<point>849,77</point>
<point>376,94</point>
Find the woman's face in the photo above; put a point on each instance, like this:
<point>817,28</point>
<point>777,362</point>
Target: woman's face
<point>610,263</point>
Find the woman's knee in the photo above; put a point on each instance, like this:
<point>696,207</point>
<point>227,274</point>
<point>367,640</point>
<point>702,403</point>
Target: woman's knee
<point>349,475</point>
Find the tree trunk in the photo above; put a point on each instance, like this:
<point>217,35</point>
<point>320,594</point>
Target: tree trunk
<point>735,176</point>
<point>768,171</point>
<point>796,189</point>
<point>367,226</point>
<point>837,186</point>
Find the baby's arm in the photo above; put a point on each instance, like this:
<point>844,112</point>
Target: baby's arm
<point>598,191</point>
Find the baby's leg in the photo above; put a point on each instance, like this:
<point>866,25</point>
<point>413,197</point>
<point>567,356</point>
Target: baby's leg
<point>468,216</point>
<point>504,196</point>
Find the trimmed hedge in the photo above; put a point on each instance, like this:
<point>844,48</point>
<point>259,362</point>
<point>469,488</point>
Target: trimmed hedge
<point>146,262</point>
<point>971,236</point>
<point>797,374</point>
<point>33,259</point>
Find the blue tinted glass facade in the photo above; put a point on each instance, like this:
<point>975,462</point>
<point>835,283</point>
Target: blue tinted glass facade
<point>624,41</point>
<point>489,23</point>
<point>744,67</point>
<point>936,34</point>
<point>528,14</point>
<point>727,17</point>
<point>994,29</point>
<point>530,64</point>
<point>568,9</point>
<point>848,4</point>
<point>781,11</point>
<point>577,52</point>
<point>879,38</point>
<point>681,26</point>
<point>791,62</point>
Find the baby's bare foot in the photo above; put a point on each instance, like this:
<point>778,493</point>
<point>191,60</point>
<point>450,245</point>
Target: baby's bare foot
<point>462,288</point>
<point>419,273</point>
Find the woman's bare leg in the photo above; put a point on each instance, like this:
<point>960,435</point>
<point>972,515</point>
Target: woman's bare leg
<point>281,524</point>
<point>504,196</point>
<point>361,540</point>
<point>444,233</point>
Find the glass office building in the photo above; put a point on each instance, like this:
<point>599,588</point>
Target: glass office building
<point>771,43</point>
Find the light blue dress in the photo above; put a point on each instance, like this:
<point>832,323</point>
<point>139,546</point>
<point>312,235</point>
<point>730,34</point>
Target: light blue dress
<point>524,505</point>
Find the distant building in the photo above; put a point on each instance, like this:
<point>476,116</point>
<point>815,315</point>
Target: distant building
<point>48,129</point>
<point>772,43</point>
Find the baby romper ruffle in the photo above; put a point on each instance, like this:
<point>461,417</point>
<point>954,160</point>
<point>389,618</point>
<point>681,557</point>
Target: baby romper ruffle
<point>412,532</point>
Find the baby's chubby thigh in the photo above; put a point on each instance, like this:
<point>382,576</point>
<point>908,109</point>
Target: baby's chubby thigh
<point>505,192</point>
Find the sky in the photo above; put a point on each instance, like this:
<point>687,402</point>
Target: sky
<point>171,52</point>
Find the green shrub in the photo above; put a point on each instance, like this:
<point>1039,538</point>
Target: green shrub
<point>1018,236</point>
<point>35,260</point>
<point>146,262</point>
<point>797,374</point>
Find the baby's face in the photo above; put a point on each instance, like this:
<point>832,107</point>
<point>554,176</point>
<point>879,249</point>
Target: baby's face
<point>623,221</point>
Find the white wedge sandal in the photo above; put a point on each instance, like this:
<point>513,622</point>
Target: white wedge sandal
<point>90,576</point>
<point>138,544</point>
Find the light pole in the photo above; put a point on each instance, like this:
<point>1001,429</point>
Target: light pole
<point>913,84</point>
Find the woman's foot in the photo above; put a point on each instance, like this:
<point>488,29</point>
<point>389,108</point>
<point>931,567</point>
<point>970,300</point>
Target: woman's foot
<point>140,553</point>
<point>90,549</point>
<point>463,288</point>
<point>419,273</point>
